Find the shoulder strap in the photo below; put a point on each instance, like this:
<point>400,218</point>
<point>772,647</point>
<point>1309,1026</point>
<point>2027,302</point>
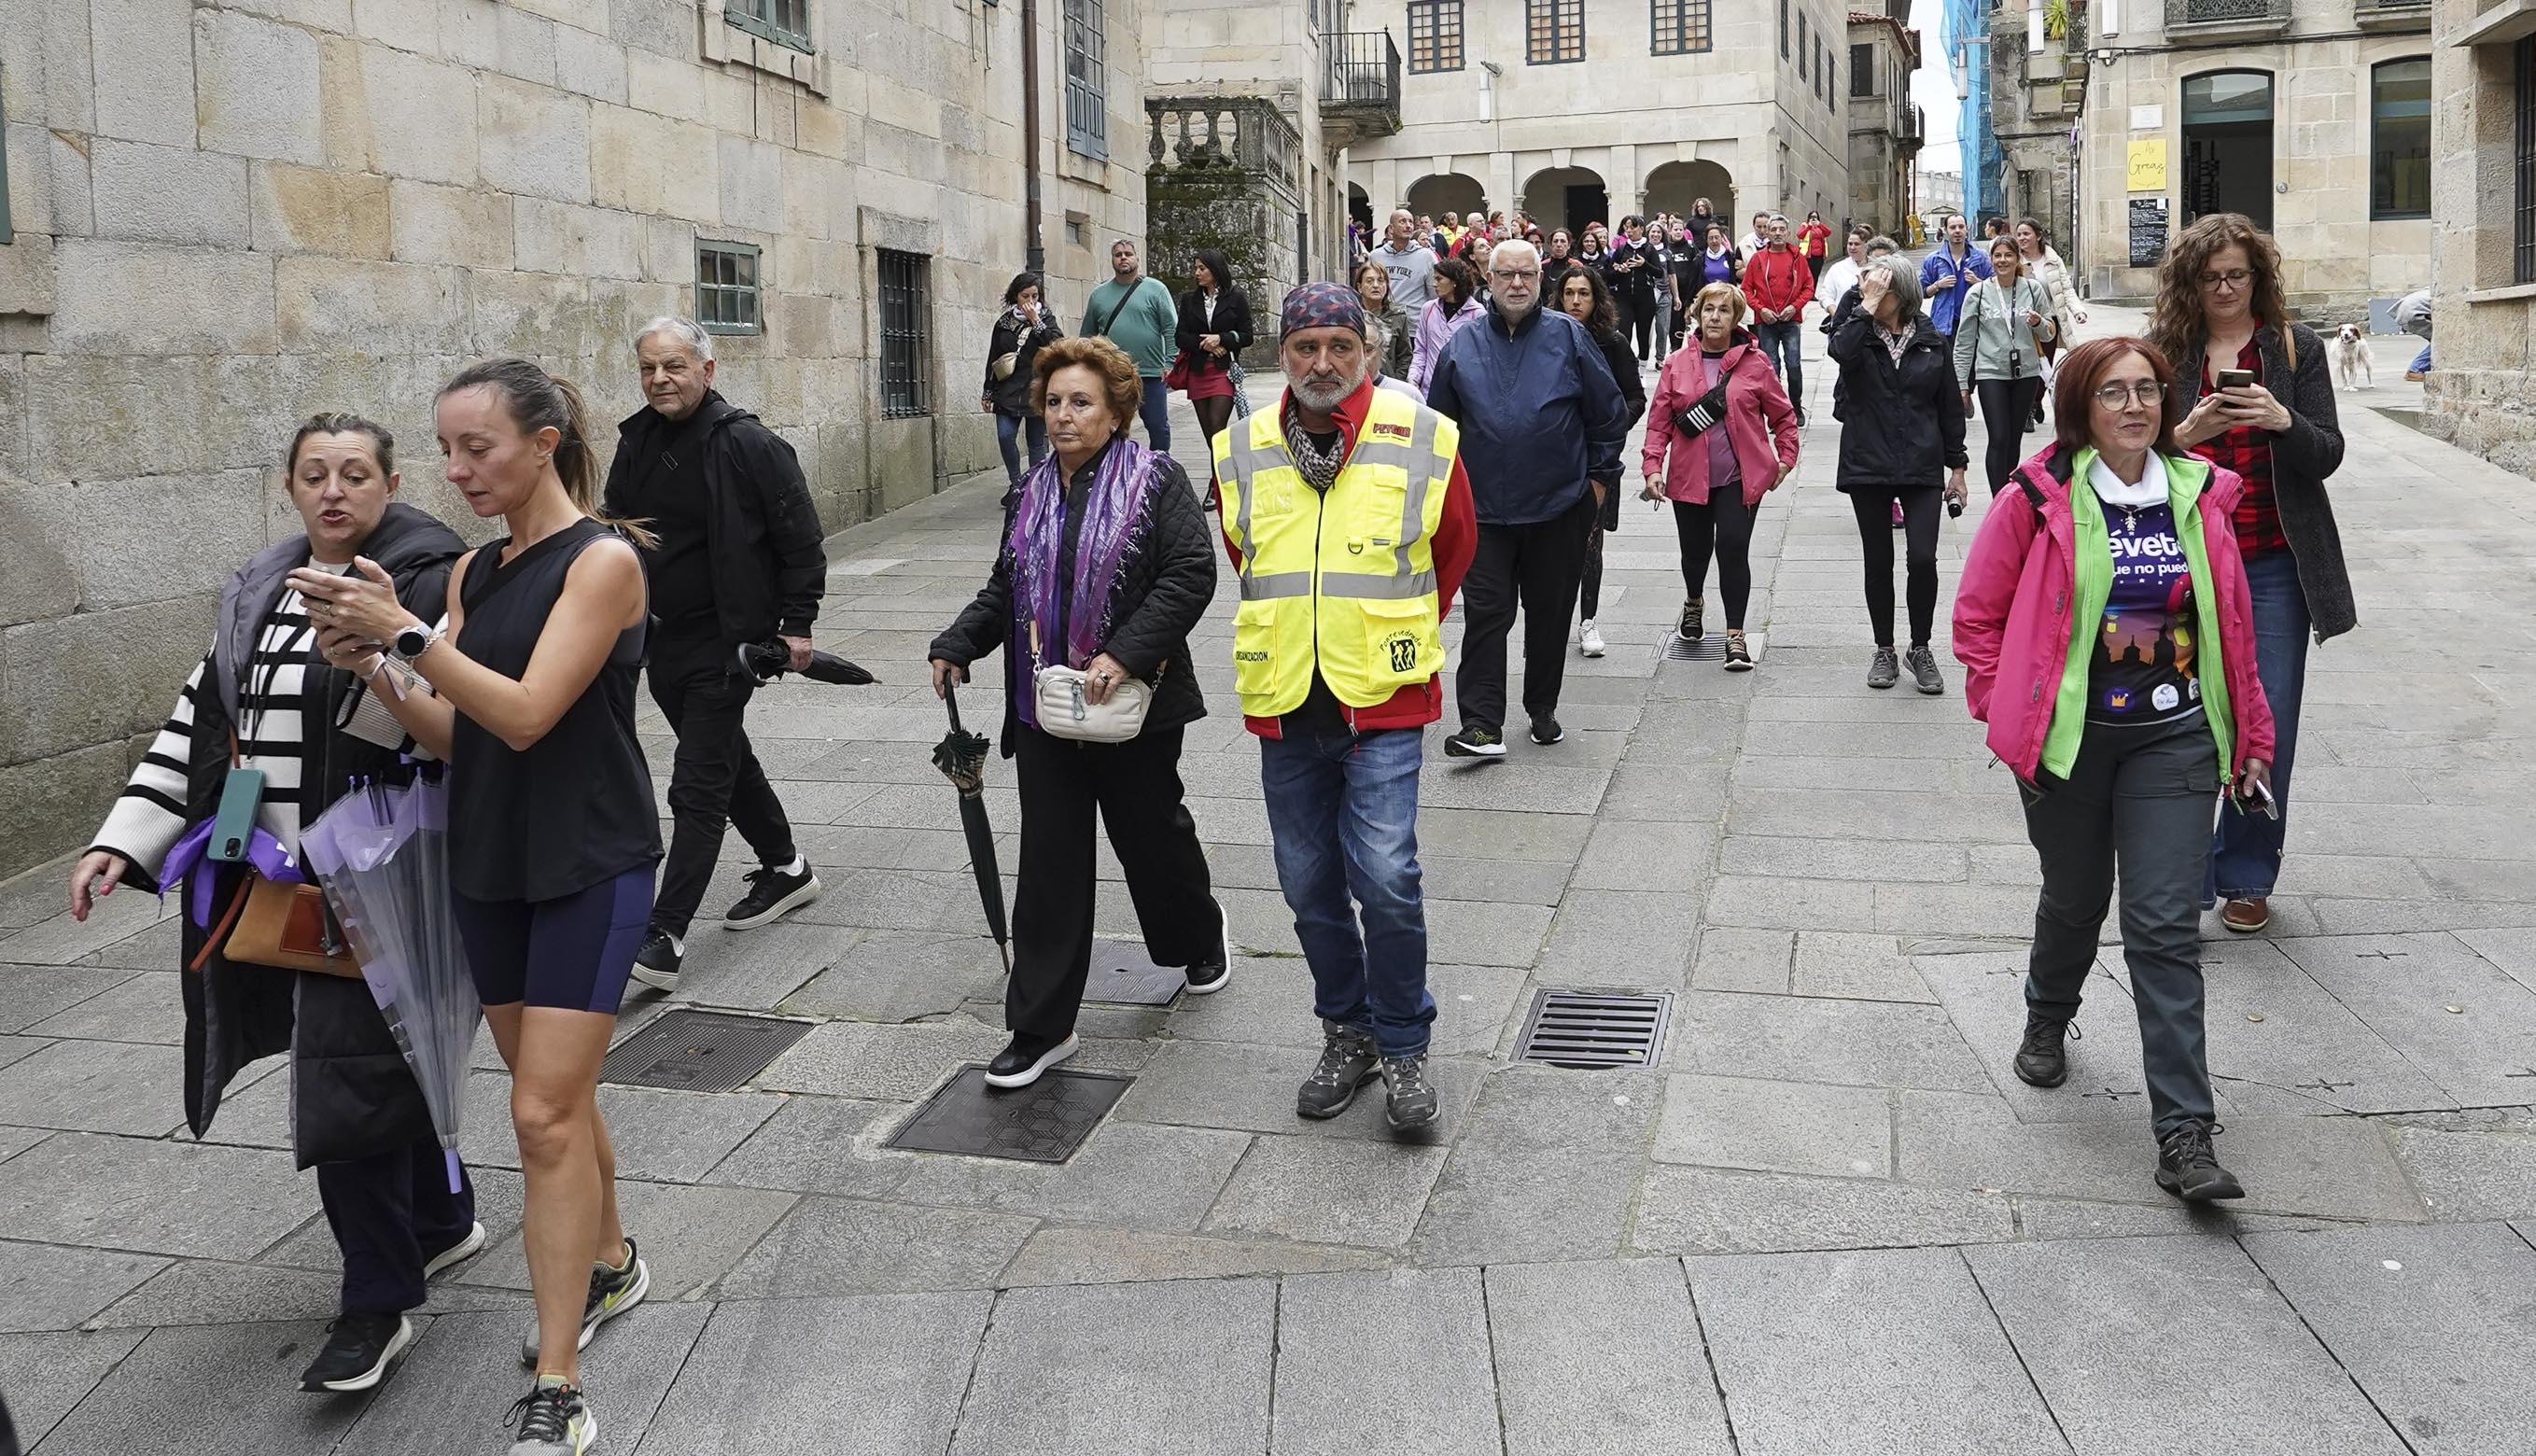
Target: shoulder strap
<point>1125,296</point>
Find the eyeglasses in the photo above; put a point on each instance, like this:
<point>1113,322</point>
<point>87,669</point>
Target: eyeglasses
<point>2233,277</point>
<point>2146,392</point>
<point>1514,276</point>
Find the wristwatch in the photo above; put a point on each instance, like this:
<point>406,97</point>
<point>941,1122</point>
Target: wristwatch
<point>414,641</point>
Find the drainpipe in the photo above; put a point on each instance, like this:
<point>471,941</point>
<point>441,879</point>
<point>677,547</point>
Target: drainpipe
<point>1034,253</point>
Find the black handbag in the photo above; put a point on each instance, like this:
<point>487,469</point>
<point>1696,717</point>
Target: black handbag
<point>1706,410</point>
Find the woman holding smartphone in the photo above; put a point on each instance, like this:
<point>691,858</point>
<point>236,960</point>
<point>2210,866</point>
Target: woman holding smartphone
<point>2103,625</point>
<point>2256,396</point>
<point>553,832</point>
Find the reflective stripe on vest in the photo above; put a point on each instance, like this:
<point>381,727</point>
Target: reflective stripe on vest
<point>1308,600</point>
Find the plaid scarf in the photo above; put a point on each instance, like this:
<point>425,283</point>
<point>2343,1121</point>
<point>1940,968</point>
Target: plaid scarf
<point>1320,468</point>
<point>1897,340</point>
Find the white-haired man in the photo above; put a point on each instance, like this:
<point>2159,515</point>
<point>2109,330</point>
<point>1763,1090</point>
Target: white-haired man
<point>738,563</point>
<point>1543,422</point>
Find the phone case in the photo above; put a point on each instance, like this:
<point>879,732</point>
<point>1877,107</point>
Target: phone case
<point>235,820</point>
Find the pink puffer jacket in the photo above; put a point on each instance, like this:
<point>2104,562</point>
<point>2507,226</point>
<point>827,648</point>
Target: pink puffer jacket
<point>1760,423</point>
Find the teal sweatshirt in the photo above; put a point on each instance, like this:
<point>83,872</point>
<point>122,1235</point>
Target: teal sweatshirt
<point>1147,327</point>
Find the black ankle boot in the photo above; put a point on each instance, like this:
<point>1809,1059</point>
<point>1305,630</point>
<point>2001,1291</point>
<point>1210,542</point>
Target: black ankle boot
<point>2188,1168</point>
<point>2040,1059</point>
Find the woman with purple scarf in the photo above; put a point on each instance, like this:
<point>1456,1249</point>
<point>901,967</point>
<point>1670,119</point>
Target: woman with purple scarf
<point>1107,564</point>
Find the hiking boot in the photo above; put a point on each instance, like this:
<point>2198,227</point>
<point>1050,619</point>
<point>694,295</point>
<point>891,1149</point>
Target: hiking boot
<point>2041,1060</point>
<point>1589,641</point>
<point>2247,915</point>
<point>1885,670</point>
<point>1694,620</point>
<point>656,964</point>
<point>1348,1062</point>
<point>554,1420</point>
<point>774,892</point>
<point>1923,671</point>
<point>1739,656</point>
<point>1474,742</point>
<point>1020,1063</point>
<point>357,1354</point>
<point>1409,1099</point>
<point>1546,730</point>
<point>2186,1168</point>
<point>614,1290</point>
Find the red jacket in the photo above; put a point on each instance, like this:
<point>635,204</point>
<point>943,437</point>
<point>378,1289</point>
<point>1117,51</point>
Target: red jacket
<point>1814,240</point>
<point>1457,537</point>
<point>1778,279</point>
<point>1760,422</point>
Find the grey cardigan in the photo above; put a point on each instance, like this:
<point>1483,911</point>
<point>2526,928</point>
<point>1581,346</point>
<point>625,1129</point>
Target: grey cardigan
<point>1993,341</point>
<point>2302,457</point>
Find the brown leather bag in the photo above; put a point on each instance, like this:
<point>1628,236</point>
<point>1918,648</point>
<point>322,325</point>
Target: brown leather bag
<point>283,925</point>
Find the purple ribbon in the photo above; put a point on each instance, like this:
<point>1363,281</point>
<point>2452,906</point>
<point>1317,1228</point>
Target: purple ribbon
<point>265,852</point>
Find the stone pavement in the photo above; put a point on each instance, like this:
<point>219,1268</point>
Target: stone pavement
<point>1830,1221</point>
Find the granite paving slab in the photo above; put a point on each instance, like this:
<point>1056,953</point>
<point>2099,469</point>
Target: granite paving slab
<point>1620,939</point>
<point>157,947</point>
<point>1543,1168</point>
<point>16,1140</point>
<point>755,969</point>
<point>688,1234</point>
<point>1734,959</point>
<point>899,975</point>
<point>873,1376</point>
<point>452,1390</point>
<point>850,1246</point>
<point>1881,1353</point>
<point>1777,1126</point>
<point>146,1007</point>
<point>1128,1369</point>
<point>2465,1175</point>
<point>2169,1315</point>
<point>96,1086</point>
<point>230,1389</point>
<point>1601,1357</point>
<point>48,1286</point>
<point>31,993</point>
<point>1711,1211</point>
<point>855,1059</point>
<point>2310,1053</point>
<point>1797,1038</point>
<point>1324,1190</point>
<point>1983,995</point>
<point>58,940</point>
<point>659,1135</point>
<point>1058,1255</point>
<point>148,1198</point>
<point>1225,1084</point>
<point>46,1375</point>
<point>2402,985</point>
<point>1328,1395</point>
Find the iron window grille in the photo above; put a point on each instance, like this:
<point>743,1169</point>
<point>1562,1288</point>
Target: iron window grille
<point>1436,35</point>
<point>1087,78</point>
<point>2523,251</point>
<point>906,334</point>
<point>786,23</point>
<point>1554,31</point>
<point>2399,138</point>
<point>1679,26</point>
<point>728,296</point>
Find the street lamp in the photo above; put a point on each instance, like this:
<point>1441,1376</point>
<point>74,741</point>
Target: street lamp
<point>1962,69</point>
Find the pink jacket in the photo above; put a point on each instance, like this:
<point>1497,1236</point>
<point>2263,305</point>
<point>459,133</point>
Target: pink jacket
<point>2011,628</point>
<point>1760,423</point>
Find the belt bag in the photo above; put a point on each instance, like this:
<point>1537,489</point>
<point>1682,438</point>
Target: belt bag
<point>1065,711</point>
<point>1705,412</point>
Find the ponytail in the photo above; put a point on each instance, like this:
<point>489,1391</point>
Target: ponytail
<point>539,400</point>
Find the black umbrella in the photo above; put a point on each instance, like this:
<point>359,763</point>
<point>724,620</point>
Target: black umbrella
<point>962,758</point>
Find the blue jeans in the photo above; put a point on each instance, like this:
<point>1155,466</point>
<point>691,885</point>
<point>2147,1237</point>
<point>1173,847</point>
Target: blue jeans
<point>1010,426</point>
<point>2421,361</point>
<point>1784,345</point>
<point>1157,413</point>
<point>2245,854</point>
<point>1343,813</point>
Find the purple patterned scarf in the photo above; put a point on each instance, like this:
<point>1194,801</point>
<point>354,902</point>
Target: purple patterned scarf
<point>1112,505</point>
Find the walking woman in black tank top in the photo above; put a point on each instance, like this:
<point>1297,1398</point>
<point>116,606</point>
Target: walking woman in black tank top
<point>554,837</point>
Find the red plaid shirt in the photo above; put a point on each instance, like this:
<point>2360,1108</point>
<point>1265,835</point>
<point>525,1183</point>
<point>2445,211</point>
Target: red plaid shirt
<point>2248,451</point>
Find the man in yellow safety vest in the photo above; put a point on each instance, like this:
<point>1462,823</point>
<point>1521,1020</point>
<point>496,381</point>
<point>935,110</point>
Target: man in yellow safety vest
<point>1348,516</point>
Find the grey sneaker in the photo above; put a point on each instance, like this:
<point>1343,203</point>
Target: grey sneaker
<point>612,1292</point>
<point>1923,671</point>
<point>1409,1099</point>
<point>1348,1062</point>
<point>552,1420</point>
<point>1884,670</point>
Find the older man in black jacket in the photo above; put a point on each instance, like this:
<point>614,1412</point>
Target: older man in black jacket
<point>739,562</point>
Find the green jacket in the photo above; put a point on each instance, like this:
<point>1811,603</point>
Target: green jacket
<point>1147,327</point>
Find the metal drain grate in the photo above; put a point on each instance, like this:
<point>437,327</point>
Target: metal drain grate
<point>700,1050</point>
<point>1123,975</point>
<point>1708,649</point>
<point>1595,1029</point>
<point>1043,1123</point>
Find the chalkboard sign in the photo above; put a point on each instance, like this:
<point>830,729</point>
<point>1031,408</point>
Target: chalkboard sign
<point>2148,231</point>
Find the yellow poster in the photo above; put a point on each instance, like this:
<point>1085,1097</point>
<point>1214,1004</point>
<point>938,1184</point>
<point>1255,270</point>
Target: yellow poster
<point>2148,165</point>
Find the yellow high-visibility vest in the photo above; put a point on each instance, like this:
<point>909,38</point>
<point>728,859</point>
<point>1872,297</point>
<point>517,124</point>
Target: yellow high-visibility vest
<point>1346,580</point>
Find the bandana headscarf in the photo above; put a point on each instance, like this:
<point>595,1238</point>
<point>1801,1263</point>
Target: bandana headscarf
<point>1112,510</point>
<point>1321,306</point>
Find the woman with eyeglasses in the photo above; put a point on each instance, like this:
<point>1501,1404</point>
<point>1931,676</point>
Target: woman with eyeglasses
<point>1998,355</point>
<point>2254,395</point>
<point>2104,629</point>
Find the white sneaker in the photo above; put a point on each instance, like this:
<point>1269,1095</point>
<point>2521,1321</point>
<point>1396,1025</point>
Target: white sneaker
<point>1590,642</point>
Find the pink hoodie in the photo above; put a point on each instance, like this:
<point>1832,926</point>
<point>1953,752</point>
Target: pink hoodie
<point>1760,423</point>
<point>2011,628</point>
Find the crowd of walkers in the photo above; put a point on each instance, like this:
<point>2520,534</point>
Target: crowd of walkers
<point>2132,622</point>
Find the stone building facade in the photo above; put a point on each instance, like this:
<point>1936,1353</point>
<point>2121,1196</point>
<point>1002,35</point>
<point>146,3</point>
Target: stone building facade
<point>1885,130</point>
<point>2481,393</point>
<point>227,214</point>
<point>2310,116</point>
<point>2038,83</point>
<point>1577,110</point>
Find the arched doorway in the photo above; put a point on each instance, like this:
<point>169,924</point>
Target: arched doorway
<point>2228,145</point>
<point>1676,186</point>
<point>1361,212</point>
<point>1439,192</point>
<point>1567,197</point>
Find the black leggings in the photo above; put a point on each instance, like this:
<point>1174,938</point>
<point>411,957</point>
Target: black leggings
<point>2007,412</point>
<point>1919,506</point>
<point>1590,597</point>
<point>1723,523</point>
<point>1642,325</point>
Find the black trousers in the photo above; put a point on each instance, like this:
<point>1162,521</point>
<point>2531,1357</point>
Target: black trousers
<point>1722,524</point>
<point>1919,506</point>
<point>1538,566</point>
<point>391,1212</point>
<point>1642,326</point>
<point>2007,412</point>
<point>1135,787</point>
<point>714,779</point>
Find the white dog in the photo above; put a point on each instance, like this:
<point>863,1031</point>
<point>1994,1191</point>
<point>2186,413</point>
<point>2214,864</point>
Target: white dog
<point>2351,358</point>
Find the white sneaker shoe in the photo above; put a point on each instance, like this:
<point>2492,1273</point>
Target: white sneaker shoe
<point>1590,642</point>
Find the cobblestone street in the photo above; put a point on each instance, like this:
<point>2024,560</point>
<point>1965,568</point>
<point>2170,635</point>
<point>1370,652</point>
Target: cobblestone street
<point>1830,1221</point>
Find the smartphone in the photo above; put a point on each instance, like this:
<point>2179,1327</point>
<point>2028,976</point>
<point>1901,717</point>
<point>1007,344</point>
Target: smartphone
<point>2236,378</point>
<point>2259,800</point>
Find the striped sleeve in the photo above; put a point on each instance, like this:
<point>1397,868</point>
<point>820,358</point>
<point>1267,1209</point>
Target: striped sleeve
<point>148,817</point>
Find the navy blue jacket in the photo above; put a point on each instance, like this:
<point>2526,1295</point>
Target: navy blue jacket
<point>1540,412</point>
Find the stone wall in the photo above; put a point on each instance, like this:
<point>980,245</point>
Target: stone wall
<point>2481,394</point>
<point>231,215</point>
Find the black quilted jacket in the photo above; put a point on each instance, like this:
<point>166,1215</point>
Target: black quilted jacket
<point>1162,588</point>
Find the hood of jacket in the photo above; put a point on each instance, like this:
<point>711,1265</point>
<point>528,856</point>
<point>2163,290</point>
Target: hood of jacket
<point>407,539</point>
